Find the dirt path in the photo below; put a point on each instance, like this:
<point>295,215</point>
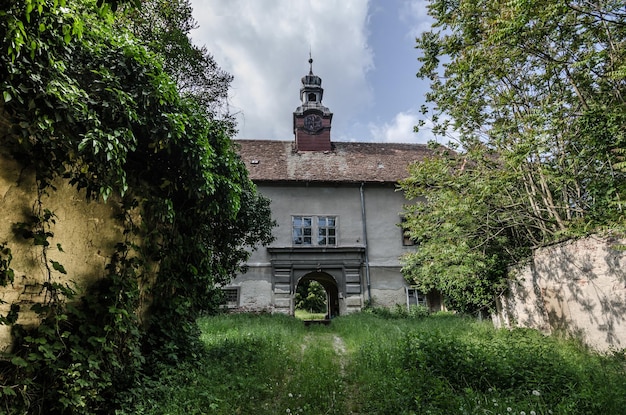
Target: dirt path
<point>340,349</point>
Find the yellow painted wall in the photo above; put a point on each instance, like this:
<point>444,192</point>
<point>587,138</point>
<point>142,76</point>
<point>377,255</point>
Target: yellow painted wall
<point>87,232</point>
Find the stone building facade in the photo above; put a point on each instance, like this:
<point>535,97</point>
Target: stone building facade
<point>338,212</point>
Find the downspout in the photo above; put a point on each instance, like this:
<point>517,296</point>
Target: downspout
<point>367,257</point>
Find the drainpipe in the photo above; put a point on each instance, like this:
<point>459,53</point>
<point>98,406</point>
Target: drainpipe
<point>367,257</point>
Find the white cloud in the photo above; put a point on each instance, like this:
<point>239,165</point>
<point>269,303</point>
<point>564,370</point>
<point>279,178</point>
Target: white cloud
<point>265,46</point>
<point>415,14</point>
<point>400,129</point>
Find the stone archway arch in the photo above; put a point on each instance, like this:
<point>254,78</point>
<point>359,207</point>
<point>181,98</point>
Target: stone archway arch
<point>340,268</point>
<point>330,286</point>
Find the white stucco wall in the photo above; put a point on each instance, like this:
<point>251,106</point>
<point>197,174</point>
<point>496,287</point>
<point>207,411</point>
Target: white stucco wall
<point>577,287</point>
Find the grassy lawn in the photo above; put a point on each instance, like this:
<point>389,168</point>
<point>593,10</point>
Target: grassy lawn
<point>371,364</point>
<point>305,315</point>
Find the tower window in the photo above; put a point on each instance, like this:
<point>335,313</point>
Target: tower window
<point>312,97</point>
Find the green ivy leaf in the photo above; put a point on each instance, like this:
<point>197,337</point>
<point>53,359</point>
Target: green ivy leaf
<point>8,391</point>
<point>19,362</point>
<point>58,267</point>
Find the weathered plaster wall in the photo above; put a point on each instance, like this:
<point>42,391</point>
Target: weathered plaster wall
<point>388,287</point>
<point>383,206</point>
<point>255,289</point>
<point>86,231</point>
<point>577,287</point>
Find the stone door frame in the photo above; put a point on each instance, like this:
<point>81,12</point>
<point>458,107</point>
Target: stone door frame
<point>343,264</point>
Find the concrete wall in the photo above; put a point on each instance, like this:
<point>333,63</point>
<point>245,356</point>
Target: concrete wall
<point>86,231</point>
<point>383,206</point>
<point>577,287</point>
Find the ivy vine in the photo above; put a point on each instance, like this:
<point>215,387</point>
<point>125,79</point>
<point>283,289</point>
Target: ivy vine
<point>90,104</point>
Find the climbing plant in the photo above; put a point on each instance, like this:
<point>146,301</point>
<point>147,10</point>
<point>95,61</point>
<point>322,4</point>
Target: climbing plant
<point>88,102</point>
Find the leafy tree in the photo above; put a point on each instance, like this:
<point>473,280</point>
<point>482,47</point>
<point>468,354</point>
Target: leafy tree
<point>463,236</point>
<point>165,26</point>
<point>311,296</point>
<point>535,92</point>
<point>89,101</point>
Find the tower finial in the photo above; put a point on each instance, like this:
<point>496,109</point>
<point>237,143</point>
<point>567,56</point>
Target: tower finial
<point>310,63</point>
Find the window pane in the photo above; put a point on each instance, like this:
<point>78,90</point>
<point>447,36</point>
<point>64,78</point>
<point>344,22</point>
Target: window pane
<point>301,232</point>
<point>314,230</point>
<point>326,230</point>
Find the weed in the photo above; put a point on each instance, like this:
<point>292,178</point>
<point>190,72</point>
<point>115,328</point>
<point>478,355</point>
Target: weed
<point>440,364</point>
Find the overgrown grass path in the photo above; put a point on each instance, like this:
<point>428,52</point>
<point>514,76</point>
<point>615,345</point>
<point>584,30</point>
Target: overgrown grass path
<point>388,365</point>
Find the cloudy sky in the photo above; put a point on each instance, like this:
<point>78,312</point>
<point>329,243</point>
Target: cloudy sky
<point>362,49</point>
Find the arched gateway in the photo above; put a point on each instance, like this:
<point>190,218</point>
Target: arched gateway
<point>330,286</point>
<point>337,269</point>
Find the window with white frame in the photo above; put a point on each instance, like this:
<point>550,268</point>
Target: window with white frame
<point>314,230</point>
<point>302,230</point>
<point>415,297</point>
<point>326,230</point>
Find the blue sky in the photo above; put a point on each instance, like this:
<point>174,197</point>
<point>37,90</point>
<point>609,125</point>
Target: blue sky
<point>364,51</point>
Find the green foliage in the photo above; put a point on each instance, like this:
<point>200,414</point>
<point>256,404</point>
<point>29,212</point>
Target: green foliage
<point>364,363</point>
<point>90,102</point>
<point>465,240</point>
<point>400,311</point>
<point>244,368</point>
<point>533,92</point>
<point>445,364</point>
<point>311,296</point>
<point>85,348</point>
<point>165,26</point>
<point>7,274</point>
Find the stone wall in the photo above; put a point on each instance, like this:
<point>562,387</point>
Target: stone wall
<point>86,231</point>
<point>576,288</point>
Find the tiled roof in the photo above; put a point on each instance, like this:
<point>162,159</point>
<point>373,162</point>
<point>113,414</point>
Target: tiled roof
<point>269,160</point>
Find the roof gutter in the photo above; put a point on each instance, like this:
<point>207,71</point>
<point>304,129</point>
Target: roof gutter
<point>367,258</point>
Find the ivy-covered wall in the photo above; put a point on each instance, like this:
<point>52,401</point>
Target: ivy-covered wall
<point>577,288</point>
<point>84,238</point>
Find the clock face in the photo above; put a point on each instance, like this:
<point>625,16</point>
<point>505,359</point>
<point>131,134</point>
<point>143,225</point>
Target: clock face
<point>312,123</point>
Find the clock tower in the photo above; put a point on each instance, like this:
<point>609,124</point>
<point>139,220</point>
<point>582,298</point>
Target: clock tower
<point>311,120</point>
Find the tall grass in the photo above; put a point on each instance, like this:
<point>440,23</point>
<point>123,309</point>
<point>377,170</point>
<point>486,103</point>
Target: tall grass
<point>381,364</point>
